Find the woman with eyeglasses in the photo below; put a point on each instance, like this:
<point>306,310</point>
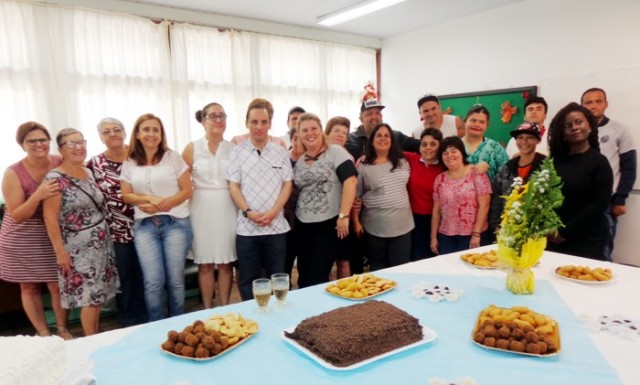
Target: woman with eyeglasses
<point>157,182</point>
<point>326,179</point>
<point>106,168</point>
<point>587,182</point>
<point>212,212</point>
<point>78,229</point>
<point>23,232</point>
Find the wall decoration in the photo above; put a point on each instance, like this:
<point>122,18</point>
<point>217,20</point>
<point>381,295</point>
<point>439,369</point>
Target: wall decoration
<point>511,100</point>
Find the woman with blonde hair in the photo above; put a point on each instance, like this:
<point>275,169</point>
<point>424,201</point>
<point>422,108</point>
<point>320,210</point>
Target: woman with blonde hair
<point>326,179</point>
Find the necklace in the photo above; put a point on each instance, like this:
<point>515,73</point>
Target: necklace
<point>308,157</point>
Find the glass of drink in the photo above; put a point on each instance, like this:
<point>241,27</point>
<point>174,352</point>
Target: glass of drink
<point>280,284</point>
<point>262,294</point>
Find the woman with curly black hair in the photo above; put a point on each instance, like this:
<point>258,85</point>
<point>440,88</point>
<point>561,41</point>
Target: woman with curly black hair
<point>587,183</point>
<point>386,219</point>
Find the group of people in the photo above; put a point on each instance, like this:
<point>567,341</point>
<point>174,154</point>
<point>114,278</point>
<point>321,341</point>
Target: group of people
<point>123,223</point>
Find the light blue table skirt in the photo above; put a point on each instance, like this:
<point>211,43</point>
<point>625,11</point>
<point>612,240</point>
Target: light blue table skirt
<point>266,359</point>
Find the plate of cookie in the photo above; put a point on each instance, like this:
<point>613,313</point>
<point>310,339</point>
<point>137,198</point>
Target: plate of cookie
<point>517,330</point>
<point>585,274</point>
<point>359,287</point>
<point>211,338</point>
<point>487,261</point>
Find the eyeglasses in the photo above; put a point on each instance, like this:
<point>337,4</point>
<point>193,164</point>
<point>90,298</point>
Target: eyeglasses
<point>78,144</point>
<point>339,131</point>
<point>112,131</point>
<point>218,117</point>
<point>33,142</point>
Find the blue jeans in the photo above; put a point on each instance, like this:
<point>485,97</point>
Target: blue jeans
<point>452,243</point>
<point>162,243</point>
<point>255,253</point>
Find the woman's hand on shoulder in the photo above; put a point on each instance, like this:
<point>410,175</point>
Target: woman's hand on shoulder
<point>481,168</point>
<point>47,189</point>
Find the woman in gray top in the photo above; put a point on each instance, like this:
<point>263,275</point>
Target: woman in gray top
<point>325,177</point>
<point>386,219</point>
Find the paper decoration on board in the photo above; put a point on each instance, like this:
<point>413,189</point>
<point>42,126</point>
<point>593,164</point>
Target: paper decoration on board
<point>507,111</point>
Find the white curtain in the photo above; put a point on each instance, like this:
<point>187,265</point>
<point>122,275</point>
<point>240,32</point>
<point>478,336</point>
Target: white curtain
<point>233,67</point>
<point>67,67</point>
<point>71,67</point>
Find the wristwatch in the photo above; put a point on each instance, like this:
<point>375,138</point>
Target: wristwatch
<point>343,216</point>
<point>246,212</point>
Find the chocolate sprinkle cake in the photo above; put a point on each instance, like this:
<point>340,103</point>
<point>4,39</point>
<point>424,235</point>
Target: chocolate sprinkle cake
<point>348,335</point>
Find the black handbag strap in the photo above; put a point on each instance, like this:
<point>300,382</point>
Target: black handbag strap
<point>98,206</point>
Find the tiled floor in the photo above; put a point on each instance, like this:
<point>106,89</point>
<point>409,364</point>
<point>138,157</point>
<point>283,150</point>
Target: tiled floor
<point>109,322</point>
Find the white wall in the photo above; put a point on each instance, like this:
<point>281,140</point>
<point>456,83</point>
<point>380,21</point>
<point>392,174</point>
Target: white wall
<point>562,46</point>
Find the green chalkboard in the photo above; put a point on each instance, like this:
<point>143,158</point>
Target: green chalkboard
<point>459,104</point>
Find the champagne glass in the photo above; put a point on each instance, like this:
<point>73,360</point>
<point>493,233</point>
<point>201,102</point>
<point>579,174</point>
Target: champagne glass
<point>280,284</point>
<point>262,294</point>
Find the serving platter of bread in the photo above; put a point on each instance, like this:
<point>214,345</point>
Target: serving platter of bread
<point>359,287</point>
<point>517,330</point>
<point>585,274</point>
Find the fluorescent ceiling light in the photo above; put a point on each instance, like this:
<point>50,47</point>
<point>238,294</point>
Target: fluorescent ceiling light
<point>355,11</point>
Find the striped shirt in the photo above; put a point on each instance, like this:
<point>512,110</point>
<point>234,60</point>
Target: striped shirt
<point>386,210</point>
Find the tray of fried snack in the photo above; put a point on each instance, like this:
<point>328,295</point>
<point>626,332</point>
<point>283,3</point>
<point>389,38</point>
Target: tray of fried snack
<point>211,338</point>
<point>487,260</point>
<point>517,330</point>
<point>359,287</point>
<point>585,274</point>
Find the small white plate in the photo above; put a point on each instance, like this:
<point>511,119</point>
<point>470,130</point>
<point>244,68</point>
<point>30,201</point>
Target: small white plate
<point>594,283</point>
<point>428,336</point>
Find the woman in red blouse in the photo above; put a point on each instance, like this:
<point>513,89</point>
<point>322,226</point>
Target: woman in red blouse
<point>425,167</point>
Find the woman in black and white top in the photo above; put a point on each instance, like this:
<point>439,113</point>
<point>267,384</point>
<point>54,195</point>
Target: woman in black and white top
<point>386,219</point>
<point>326,180</point>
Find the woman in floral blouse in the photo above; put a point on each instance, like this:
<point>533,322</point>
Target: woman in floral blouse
<point>77,226</point>
<point>460,202</point>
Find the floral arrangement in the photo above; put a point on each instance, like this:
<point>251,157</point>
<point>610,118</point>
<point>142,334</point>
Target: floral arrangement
<point>529,216</point>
